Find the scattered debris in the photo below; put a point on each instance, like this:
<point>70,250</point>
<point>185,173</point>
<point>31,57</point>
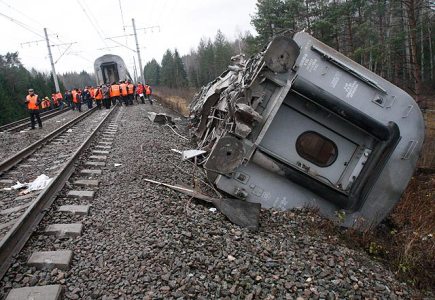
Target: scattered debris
<point>117,165</point>
<point>171,127</point>
<point>242,213</point>
<point>231,258</point>
<point>159,118</point>
<point>69,130</point>
<point>188,154</point>
<point>212,209</point>
<point>39,183</point>
<point>19,185</point>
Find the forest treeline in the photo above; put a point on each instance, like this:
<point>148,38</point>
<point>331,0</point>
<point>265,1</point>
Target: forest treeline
<point>15,80</point>
<point>196,69</point>
<point>393,38</point>
<point>72,80</point>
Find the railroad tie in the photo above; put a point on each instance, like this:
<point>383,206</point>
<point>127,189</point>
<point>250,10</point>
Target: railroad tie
<point>87,182</point>
<point>91,172</point>
<point>65,230</point>
<point>80,194</point>
<point>95,163</point>
<point>103,147</point>
<point>47,292</point>
<point>75,209</point>
<point>48,260</point>
<point>98,157</point>
<point>100,152</point>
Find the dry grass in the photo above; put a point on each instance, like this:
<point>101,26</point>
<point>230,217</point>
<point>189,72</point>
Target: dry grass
<point>177,99</point>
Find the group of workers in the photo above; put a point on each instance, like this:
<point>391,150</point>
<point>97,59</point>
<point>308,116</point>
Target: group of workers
<point>105,95</point>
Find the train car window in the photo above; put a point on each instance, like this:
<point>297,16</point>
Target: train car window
<point>316,148</point>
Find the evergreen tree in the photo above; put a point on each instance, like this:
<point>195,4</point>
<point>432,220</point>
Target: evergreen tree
<point>15,80</point>
<point>180,72</point>
<point>152,73</point>
<point>167,73</point>
<point>222,53</point>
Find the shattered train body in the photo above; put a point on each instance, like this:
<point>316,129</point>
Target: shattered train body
<point>300,124</point>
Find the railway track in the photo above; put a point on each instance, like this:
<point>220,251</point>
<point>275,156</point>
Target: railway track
<point>24,123</point>
<point>54,155</point>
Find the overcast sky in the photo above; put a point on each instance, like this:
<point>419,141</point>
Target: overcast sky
<point>88,23</point>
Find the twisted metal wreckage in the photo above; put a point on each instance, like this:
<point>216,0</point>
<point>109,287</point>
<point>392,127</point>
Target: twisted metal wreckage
<point>300,124</point>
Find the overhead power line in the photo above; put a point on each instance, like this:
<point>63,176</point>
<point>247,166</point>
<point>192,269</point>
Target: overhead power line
<point>94,25</point>
<point>21,24</point>
<point>22,13</point>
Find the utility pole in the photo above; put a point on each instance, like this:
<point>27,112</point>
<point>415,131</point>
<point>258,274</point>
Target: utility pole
<point>113,39</point>
<point>134,70</point>
<point>138,52</point>
<point>53,70</point>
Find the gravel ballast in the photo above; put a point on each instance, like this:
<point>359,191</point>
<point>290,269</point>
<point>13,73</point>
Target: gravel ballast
<point>12,142</point>
<point>142,241</point>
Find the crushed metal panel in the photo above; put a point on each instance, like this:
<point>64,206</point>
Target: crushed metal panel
<point>301,124</point>
<point>159,118</point>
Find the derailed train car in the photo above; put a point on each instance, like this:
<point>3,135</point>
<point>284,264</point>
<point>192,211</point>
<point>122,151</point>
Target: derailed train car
<point>300,124</point>
<point>110,68</point>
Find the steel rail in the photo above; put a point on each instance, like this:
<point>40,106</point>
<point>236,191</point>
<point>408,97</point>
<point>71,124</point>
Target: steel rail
<point>15,159</point>
<point>17,236</point>
<point>23,123</point>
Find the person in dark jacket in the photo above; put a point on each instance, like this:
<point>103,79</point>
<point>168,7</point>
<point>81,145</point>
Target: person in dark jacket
<point>105,88</point>
<point>86,96</point>
<point>68,98</point>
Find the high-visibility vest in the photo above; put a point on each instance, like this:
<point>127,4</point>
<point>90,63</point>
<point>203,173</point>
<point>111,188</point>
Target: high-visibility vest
<point>98,94</point>
<point>32,103</point>
<point>92,92</point>
<point>139,89</point>
<point>44,104</point>
<point>54,99</point>
<point>75,96</point>
<point>130,88</point>
<point>114,91</point>
<point>59,96</point>
<point>147,90</point>
<point>123,87</point>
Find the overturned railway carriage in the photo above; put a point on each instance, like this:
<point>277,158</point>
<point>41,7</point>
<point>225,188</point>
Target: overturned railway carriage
<point>110,68</point>
<point>299,124</point>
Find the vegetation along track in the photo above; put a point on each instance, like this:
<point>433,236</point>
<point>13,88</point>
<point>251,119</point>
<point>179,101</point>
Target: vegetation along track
<point>25,123</point>
<point>54,155</point>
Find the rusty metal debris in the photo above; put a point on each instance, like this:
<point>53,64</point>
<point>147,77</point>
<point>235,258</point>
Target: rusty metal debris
<point>300,124</point>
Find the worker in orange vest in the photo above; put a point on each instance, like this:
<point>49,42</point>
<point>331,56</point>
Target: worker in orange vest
<point>140,90</point>
<point>124,92</point>
<point>92,92</point>
<point>115,93</point>
<point>77,102</point>
<point>45,104</point>
<point>130,88</point>
<point>54,101</point>
<point>98,95</point>
<point>148,92</point>
<point>32,102</point>
<point>59,100</point>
